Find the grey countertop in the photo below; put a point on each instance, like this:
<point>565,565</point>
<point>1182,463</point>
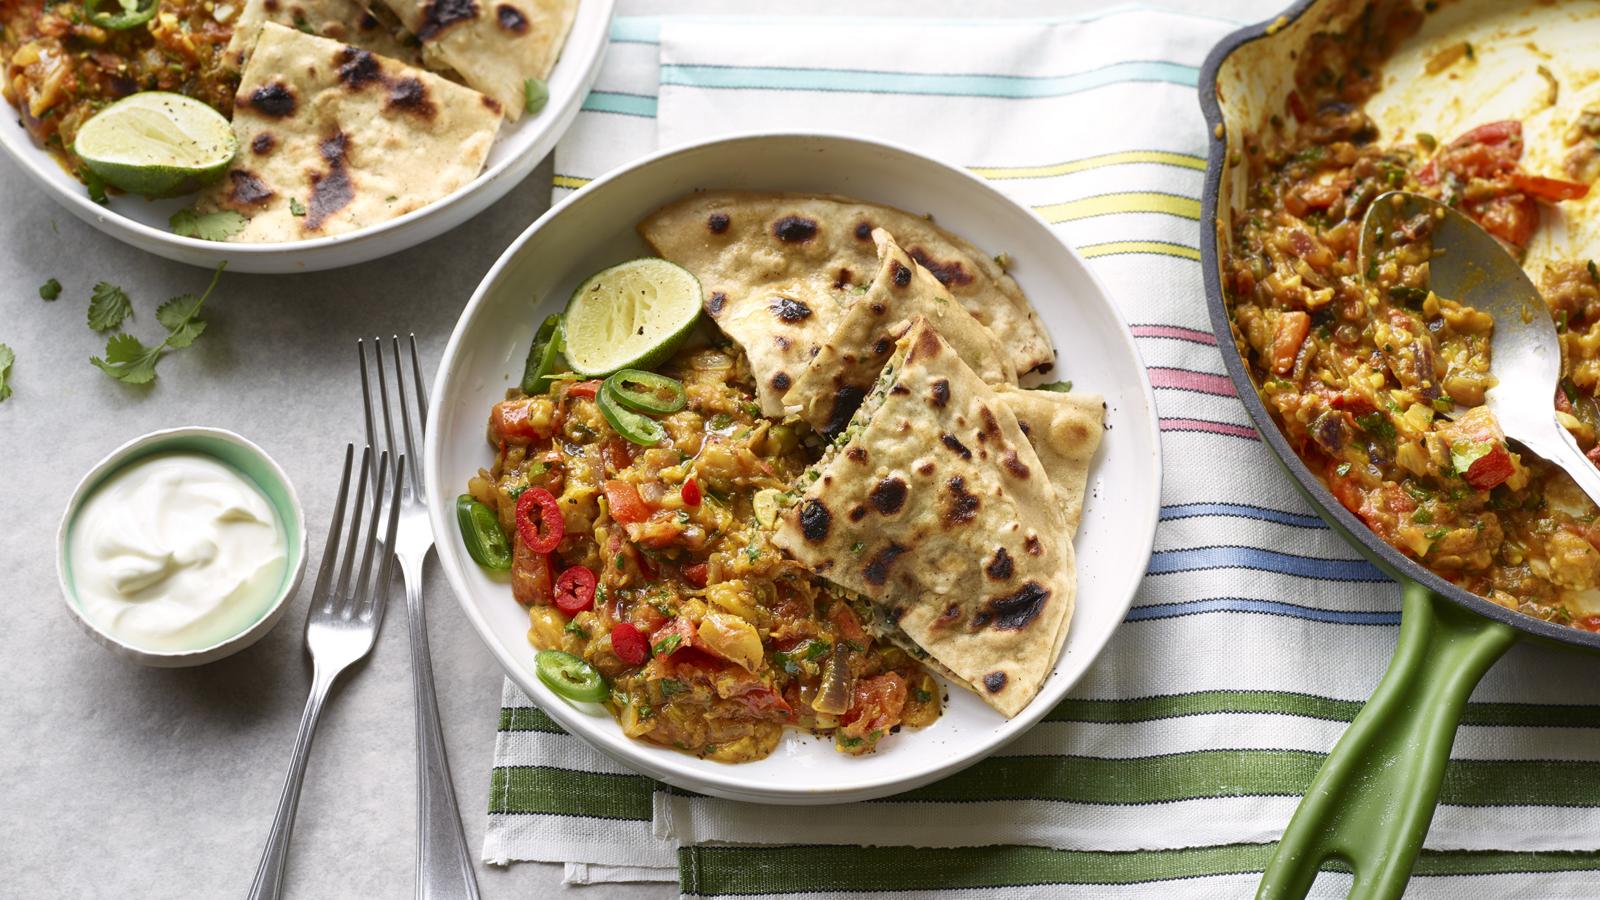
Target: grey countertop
<point>129,782</point>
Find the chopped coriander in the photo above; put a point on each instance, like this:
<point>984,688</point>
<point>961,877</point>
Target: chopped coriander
<point>857,547</point>
<point>108,307</point>
<point>6,359</point>
<point>131,362</point>
<point>922,695</point>
<point>535,94</point>
<point>296,208</point>
<point>1570,389</point>
<point>1422,517</point>
<point>1059,387</point>
<point>1377,426</point>
<point>1003,260</point>
<point>95,187</point>
<point>667,644</point>
<point>574,628</point>
<point>851,742</point>
<point>50,290</point>
<point>211,226</point>
<point>1437,533</point>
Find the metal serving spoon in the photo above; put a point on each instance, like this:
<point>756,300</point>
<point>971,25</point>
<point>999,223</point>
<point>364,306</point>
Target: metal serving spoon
<point>1472,268</point>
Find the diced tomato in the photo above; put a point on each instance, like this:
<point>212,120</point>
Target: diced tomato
<point>575,590</point>
<point>1552,189</point>
<point>617,454</point>
<point>1396,500</point>
<point>1345,488</point>
<point>584,389</point>
<point>1504,131</point>
<point>879,702</point>
<point>1490,469</point>
<point>691,492</point>
<point>628,643</point>
<point>695,574</point>
<point>845,622</point>
<point>1512,218</point>
<point>626,505</point>
<point>662,644</point>
<point>1562,403</point>
<point>509,423</point>
<point>762,701</point>
<point>530,574</point>
<point>1286,340</point>
<point>1428,175</point>
<point>1587,623</point>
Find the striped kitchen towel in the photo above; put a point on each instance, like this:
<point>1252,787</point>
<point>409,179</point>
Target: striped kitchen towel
<point>1257,633</point>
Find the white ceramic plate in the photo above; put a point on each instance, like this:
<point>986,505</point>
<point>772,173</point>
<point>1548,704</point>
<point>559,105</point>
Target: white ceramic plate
<point>595,228</point>
<point>519,147</point>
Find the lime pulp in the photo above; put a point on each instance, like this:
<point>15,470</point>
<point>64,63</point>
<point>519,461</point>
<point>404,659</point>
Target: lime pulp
<point>157,144</point>
<point>630,316</point>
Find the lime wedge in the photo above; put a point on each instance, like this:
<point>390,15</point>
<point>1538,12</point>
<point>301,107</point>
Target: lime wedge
<point>157,144</point>
<point>630,316</point>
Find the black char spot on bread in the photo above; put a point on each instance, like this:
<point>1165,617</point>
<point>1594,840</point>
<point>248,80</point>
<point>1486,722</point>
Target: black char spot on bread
<point>275,100</point>
<point>857,513</point>
<point>863,231</point>
<point>790,310</point>
<point>717,222</point>
<point>1014,611</point>
<point>927,345</point>
<point>882,346</point>
<point>815,520</point>
<point>782,342</point>
<point>357,68</point>
<point>999,567</point>
<point>888,496</point>
<point>899,390</point>
<point>963,505</point>
<point>948,273</point>
<point>955,445</point>
<point>794,229</point>
<point>994,682</point>
<point>715,302</point>
<point>331,191</point>
<point>262,143</point>
<point>876,571</point>
<point>410,95</point>
<point>1014,465</point>
<point>511,18</point>
<point>248,190</point>
<point>856,455</point>
<point>940,393</point>
<point>845,401</point>
<point>1032,546</point>
<point>438,15</point>
<point>780,381</point>
<point>842,280</point>
<point>902,275</point>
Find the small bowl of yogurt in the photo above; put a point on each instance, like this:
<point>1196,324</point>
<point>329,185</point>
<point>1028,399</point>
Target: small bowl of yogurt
<point>181,547</point>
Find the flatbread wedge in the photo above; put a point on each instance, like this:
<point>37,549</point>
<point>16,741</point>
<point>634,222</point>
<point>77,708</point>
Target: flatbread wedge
<point>346,21</point>
<point>494,46</point>
<point>843,368</point>
<point>747,247</point>
<point>1065,430</point>
<point>333,138</point>
<point>933,504</point>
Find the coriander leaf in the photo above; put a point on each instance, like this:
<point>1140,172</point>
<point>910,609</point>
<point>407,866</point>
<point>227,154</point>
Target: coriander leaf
<point>1464,453</point>
<point>95,186</point>
<point>128,360</point>
<point>211,226</point>
<point>535,94</point>
<point>108,306</point>
<point>50,290</point>
<point>296,208</point>
<point>1059,387</point>
<point>6,359</point>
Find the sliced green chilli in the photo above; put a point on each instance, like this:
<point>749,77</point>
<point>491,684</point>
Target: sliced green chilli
<point>132,13</point>
<point>571,677</point>
<point>647,392</point>
<point>544,357</point>
<point>640,429</point>
<point>480,532</point>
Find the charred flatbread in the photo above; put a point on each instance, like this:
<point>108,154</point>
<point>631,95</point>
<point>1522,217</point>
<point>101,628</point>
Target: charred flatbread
<point>333,138</point>
<point>1065,430</point>
<point>750,249</point>
<point>345,21</point>
<point>933,504</point>
<point>494,45</point>
<point>842,369</point>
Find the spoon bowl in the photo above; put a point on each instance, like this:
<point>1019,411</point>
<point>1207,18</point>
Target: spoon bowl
<point>1471,267</point>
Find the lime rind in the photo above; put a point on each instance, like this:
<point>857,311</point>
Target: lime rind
<point>157,144</point>
<point>633,315</point>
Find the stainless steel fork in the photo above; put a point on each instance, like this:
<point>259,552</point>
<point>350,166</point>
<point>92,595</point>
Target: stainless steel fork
<point>444,869</point>
<point>341,626</point>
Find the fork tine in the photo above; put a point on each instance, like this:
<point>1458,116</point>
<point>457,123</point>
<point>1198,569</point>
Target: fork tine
<point>422,395</point>
<point>330,552</point>
<point>405,411</point>
<point>342,588</point>
<point>383,397</point>
<point>374,604</point>
<point>359,593</point>
<point>366,392</point>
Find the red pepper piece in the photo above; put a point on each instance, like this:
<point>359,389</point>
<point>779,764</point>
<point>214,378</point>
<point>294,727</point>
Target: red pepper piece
<point>629,644</point>
<point>575,590</point>
<point>539,520</point>
<point>691,492</point>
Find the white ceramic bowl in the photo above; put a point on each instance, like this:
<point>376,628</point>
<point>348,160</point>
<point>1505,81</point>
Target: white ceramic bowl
<point>143,223</point>
<point>239,454</point>
<point>595,227</point>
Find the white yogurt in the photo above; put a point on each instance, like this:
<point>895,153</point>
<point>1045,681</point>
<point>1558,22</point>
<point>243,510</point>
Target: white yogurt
<point>176,552</point>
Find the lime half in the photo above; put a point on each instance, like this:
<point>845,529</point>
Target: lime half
<point>630,316</point>
<point>157,144</point>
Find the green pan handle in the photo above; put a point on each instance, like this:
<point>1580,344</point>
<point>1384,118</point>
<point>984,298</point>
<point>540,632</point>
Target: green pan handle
<point>1372,801</point>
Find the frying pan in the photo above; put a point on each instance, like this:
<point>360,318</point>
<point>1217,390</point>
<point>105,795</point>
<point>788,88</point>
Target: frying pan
<point>1371,803</point>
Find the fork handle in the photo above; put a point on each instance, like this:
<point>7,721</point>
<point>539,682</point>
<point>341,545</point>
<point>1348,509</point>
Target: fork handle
<point>268,883</point>
<point>444,870</point>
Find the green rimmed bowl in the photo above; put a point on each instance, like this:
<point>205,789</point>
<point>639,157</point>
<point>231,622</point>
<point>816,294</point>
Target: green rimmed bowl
<point>237,453</point>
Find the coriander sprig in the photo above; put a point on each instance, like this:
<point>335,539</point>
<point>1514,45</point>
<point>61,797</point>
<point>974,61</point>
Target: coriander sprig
<point>127,358</point>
